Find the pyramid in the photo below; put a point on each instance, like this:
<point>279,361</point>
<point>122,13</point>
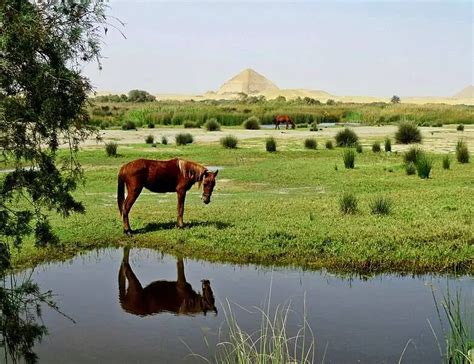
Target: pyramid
<point>465,93</point>
<point>248,81</point>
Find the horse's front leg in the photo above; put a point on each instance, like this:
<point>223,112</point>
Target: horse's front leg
<point>181,199</point>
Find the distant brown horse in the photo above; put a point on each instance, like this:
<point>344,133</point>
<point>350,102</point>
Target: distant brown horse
<point>162,296</point>
<point>175,175</point>
<point>281,119</point>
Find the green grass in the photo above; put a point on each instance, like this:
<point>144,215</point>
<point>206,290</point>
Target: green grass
<point>265,204</point>
<point>348,157</point>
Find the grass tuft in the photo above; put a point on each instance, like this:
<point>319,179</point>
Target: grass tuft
<point>359,148</point>
<point>381,206</point>
<point>184,138</point>
<point>164,140</point>
<point>412,155</point>
<point>229,142</point>
<point>252,123</point>
<point>329,144</point>
<point>460,127</point>
<point>446,162</point>
<point>310,143</point>
<point>348,203</point>
<point>111,149</point>
<point>212,125</point>
<point>376,147</point>
<point>424,165</point>
<point>189,124</point>
<point>462,153</point>
<point>388,145</point>
<point>129,125</point>
<point>408,133</point>
<point>410,168</point>
<point>346,138</point>
<point>349,158</point>
<point>270,145</point>
<point>149,139</point>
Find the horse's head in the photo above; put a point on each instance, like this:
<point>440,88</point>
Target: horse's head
<point>207,298</point>
<point>208,183</point>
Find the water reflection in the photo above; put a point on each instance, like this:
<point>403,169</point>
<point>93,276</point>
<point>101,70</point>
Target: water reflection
<point>21,326</point>
<point>162,296</point>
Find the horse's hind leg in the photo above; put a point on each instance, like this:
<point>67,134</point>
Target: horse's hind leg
<point>132,196</point>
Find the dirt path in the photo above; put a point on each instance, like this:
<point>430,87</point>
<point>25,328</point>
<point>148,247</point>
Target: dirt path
<point>442,139</point>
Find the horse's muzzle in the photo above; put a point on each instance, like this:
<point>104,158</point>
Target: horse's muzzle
<point>206,199</point>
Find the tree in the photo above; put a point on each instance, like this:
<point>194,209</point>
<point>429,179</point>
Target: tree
<point>140,96</point>
<point>395,99</point>
<point>42,105</point>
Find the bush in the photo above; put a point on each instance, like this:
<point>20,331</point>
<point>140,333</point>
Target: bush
<point>381,206</point>
<point>346,138</point>
<point>446,162</point>
<point>423,166</point>
<point>212,125</point>
<point>313,126</point>
<point>412,155</point>
<point>151,126</point>
<point>460,127</point>
<point>359,148</point>
<point>229,141</point>
<point>111,149</point>
<point>330,102</point>
<point>184,138</point>
<point>462,153</point>
<point>329,144</point>
<point>349,158</point>
<point>348,203</point>
<point>164,140</point>
<point>149,139</point>
<point>410,168</point>
<point>388,145</point>
<point>270,145</point>
<point>407,133</point>
<point>190,124</point>
<point>129,125</point>
<point>376,147</point>
<point>252,123</point>
<point>310,143</point>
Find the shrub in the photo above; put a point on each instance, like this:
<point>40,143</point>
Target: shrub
<point>149,139</point>
<point>129,125</point>
<point>330,102</point>
<point>359,148</point>
<point>329,144</point>
<point>164,140</point>
<point>151,126</point>
<point>381,206</point>
<point>229,141</point>
<point>349,158</point>
<point>184,138</point>
<point>212,125</point>
<point>313,126</point>
<point>310,143</point>
<point>190,124</point>
<point>423,166</point>
<point>111,149</point>
<point>348,203</point>
<point>410,168</point>
<point>460,127</point>
<point>412,155</point>
<point>346,138</point>
<point>462,153</point>
<point>388,145</point>
<point>407,133</point>
<point>446,162</point>
<point>270,145</point>
<point>376,147</point>
<point>252,123</point>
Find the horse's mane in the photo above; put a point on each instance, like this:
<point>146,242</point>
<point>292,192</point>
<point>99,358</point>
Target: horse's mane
<point>192,171</point>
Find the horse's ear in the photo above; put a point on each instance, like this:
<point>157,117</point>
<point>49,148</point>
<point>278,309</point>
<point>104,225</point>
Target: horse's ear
<point>215,173</point>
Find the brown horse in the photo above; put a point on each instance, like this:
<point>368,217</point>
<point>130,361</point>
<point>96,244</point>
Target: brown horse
<point>281,119</point>
<point>162,296</point>
<point>175,175</point>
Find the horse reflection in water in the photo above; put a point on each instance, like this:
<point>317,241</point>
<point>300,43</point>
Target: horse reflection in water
<point>162,296</point>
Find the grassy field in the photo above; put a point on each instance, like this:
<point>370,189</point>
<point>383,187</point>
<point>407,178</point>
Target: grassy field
<point>302,111</point>
<point>283,208</point>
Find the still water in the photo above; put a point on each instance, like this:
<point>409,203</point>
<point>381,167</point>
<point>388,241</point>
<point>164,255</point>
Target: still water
<point>121,316</point>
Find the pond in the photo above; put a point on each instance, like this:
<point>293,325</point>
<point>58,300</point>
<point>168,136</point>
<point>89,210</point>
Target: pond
<point>118,320</point>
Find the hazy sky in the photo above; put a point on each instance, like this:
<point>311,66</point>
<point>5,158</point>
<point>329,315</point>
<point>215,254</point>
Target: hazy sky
<point>375,48</point>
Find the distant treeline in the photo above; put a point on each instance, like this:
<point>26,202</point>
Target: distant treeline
<point>106,112</point>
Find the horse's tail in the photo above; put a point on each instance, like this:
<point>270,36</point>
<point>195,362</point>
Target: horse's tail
<point>120,192</point>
